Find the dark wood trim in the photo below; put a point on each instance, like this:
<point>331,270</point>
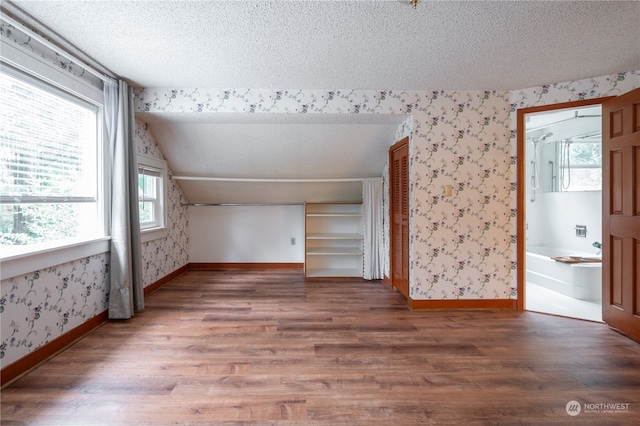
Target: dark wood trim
<point>33,359</point>
<point>565,105</point>
<point>521,246</point>
<point>521,243</point>
<point>251,266</point>
<point>510,304</point>
<point>162,281</point>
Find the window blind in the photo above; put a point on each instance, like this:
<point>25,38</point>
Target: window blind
<point>149,171</point>
<point>47,145</point>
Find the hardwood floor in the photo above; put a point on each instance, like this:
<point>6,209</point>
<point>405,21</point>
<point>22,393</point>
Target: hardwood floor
<point>267,347</point>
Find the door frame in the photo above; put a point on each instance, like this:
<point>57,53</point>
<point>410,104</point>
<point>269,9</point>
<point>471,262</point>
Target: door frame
<point>521,189</point>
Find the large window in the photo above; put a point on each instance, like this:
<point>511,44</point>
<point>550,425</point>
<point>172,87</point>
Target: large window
<point>50,173</point>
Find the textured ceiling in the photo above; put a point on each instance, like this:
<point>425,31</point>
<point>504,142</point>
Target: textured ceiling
<point>477,45</point>
<point>382,45</point>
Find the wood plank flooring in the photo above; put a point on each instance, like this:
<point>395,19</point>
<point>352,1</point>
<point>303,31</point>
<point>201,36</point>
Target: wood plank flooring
<point>267,347</point>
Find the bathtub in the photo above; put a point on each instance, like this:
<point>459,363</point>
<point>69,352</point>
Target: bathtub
<point>578,280</point>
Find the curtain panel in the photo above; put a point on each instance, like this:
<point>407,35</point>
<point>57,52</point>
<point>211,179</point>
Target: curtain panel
<point>127,289</point>
<point>372,198</point>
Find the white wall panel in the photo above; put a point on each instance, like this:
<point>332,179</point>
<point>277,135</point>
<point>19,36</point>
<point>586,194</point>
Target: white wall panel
<point>246,234</point>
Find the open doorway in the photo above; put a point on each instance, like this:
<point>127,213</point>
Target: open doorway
<point>562,150</point>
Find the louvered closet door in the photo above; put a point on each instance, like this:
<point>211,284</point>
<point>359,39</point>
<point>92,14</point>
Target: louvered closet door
<point>621,213</point>
<point>399,187</point>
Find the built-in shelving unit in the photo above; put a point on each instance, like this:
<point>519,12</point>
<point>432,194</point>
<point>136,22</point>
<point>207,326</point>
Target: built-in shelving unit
<point>333,240</point>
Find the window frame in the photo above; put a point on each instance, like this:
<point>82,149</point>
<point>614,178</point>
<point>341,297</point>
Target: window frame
<point>157,229</point>
<point>39,256</point>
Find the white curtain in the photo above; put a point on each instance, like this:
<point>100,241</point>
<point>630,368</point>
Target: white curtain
<point>127,289</point>
<point>372,197</point>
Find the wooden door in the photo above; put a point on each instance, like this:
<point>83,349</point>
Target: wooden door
<point>399,200</point>
<point>621,213</point>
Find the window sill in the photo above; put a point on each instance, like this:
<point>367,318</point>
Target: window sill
<point>147,235</point>
<point>14,264</point>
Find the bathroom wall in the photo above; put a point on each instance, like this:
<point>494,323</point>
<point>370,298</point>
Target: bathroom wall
<point>563,211</point>
<point>552,218</point>
<point>553,215</point>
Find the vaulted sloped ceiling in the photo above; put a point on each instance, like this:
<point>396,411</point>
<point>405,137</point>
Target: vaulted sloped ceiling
<point>273,146</point>
<point>380,45</point>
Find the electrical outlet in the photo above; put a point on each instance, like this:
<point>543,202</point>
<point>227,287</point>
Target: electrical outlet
<point>293,241</point>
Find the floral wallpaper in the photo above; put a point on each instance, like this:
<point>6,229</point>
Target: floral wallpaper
<point>597,87</point>
<point>276,101</point>
<point>163,256</point>
<point>461,245</point>
<point>27,43</point>
<point>40,306</point>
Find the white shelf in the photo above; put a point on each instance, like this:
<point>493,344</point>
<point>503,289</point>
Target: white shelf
<point>334,236</point>
<point>330,272</point>
<point>334,251</point>
<point>333,240</point>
